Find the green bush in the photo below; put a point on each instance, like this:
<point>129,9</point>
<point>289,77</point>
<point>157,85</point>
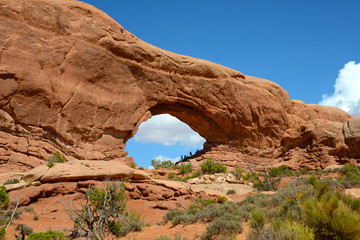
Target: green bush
<point>24,230</point>
<point>103,212</point>
<point>171,176</point>
<point>231,191</point>
<point>225,227</point>
<point>162,164</point>
<point>55,158</point>
<point>350,176</point>
<point>331,218</point>
<point>12,181</point>
<point>283,231</point>
<point>195,174</point>
<point>185,169</point>
<point>238,173</point>
<point>283,171</point>
<point>49,235</point>
<point>257,219</point>
<point>221,199</point>
<point>4,198</point>
<point>2,233</point>
<point>210,166</point>
<point>132,222</point>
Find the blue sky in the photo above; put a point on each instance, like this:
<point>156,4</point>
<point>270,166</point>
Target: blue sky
<point>310,48</point>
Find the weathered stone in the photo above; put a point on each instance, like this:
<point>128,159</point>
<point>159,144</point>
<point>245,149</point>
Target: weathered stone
<point>56,56</point>
<point>84,170</point>
<point>352,135</point>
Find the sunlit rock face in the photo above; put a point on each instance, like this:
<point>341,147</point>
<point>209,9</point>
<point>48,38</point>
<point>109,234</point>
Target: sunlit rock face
<point>73,79</point>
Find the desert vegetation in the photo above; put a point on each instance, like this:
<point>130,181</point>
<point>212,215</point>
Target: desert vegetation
<point>55,158</point>
<point>311,207</point>
<point>306,209</point>
<point>104,212</point>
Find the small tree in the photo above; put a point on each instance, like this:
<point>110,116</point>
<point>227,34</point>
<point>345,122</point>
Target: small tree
<point>24,230</point>
<point>98,214</point>
<point>162,164</point>
<point>210,166</point>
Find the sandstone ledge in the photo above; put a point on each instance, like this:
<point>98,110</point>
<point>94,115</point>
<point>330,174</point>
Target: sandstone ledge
<point>84,170</point>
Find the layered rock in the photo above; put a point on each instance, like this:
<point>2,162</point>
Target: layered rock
<point>84,170</point>
<point>72,79</point>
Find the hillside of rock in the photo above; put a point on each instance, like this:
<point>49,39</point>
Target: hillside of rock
<point>74,80</point>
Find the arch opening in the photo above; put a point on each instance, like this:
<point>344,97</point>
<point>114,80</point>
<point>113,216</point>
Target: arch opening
<point>163,137</point>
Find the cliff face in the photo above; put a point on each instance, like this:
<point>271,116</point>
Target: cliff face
<point>73,79</point>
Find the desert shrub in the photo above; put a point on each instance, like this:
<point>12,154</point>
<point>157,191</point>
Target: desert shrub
<point>171,176</point>
<point>257,219</point>
<point>2,233</point>
<point>350,176</point>
<point>29,209</point>
<point>195,174</point>
<point>36,217</point>
<point>269,180</point>
<point>49,235</point>
<point>56,158</point>
<point>185,169</point>
<point>225,227</point>
<point>162,164</point>
<point>231,191</point>
<point>238,173</point>
<point>169,216</point>
<point>302,171</point>
<point>162,237</point>
<point>16,214</point>
<point>260,200</point>
<point>210,166</point>
<point>350,170</point>
<point>331,218</point>
<point>250,176</point>
<point>221,199</point>
<point>133,222</point>
<point>103,211</point>
<point>140,168</point>
<point>12,181</point>
<point>283,231</point>
<point>4,198</point>
<point>283,171</point>
<point>204,203</point>
<point>24,230</point>
<point>177,237</point>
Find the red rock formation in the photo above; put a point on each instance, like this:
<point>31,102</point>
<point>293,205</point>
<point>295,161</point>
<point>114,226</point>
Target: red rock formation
<point>73,79</point>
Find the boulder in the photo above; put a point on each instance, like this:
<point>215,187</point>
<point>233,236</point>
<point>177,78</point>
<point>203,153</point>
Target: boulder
<point>84,170</point>
<point>352,135</point>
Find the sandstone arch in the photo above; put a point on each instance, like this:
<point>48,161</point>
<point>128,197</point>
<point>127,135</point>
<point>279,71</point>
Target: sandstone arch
<point>74,79</point>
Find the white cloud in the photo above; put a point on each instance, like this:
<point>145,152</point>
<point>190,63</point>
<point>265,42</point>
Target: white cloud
<point>164,158</point>
<point>347,90</point>
<point>168,130</point>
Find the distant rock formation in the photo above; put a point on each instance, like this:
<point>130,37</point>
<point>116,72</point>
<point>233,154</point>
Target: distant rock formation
<point>73,79</point>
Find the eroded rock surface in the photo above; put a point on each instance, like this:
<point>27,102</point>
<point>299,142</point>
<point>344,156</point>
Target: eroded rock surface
<point>74,80</point>
<point>84,170</point>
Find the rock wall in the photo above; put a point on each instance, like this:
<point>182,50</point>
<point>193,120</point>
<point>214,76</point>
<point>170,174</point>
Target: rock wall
<point>73,79</point>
